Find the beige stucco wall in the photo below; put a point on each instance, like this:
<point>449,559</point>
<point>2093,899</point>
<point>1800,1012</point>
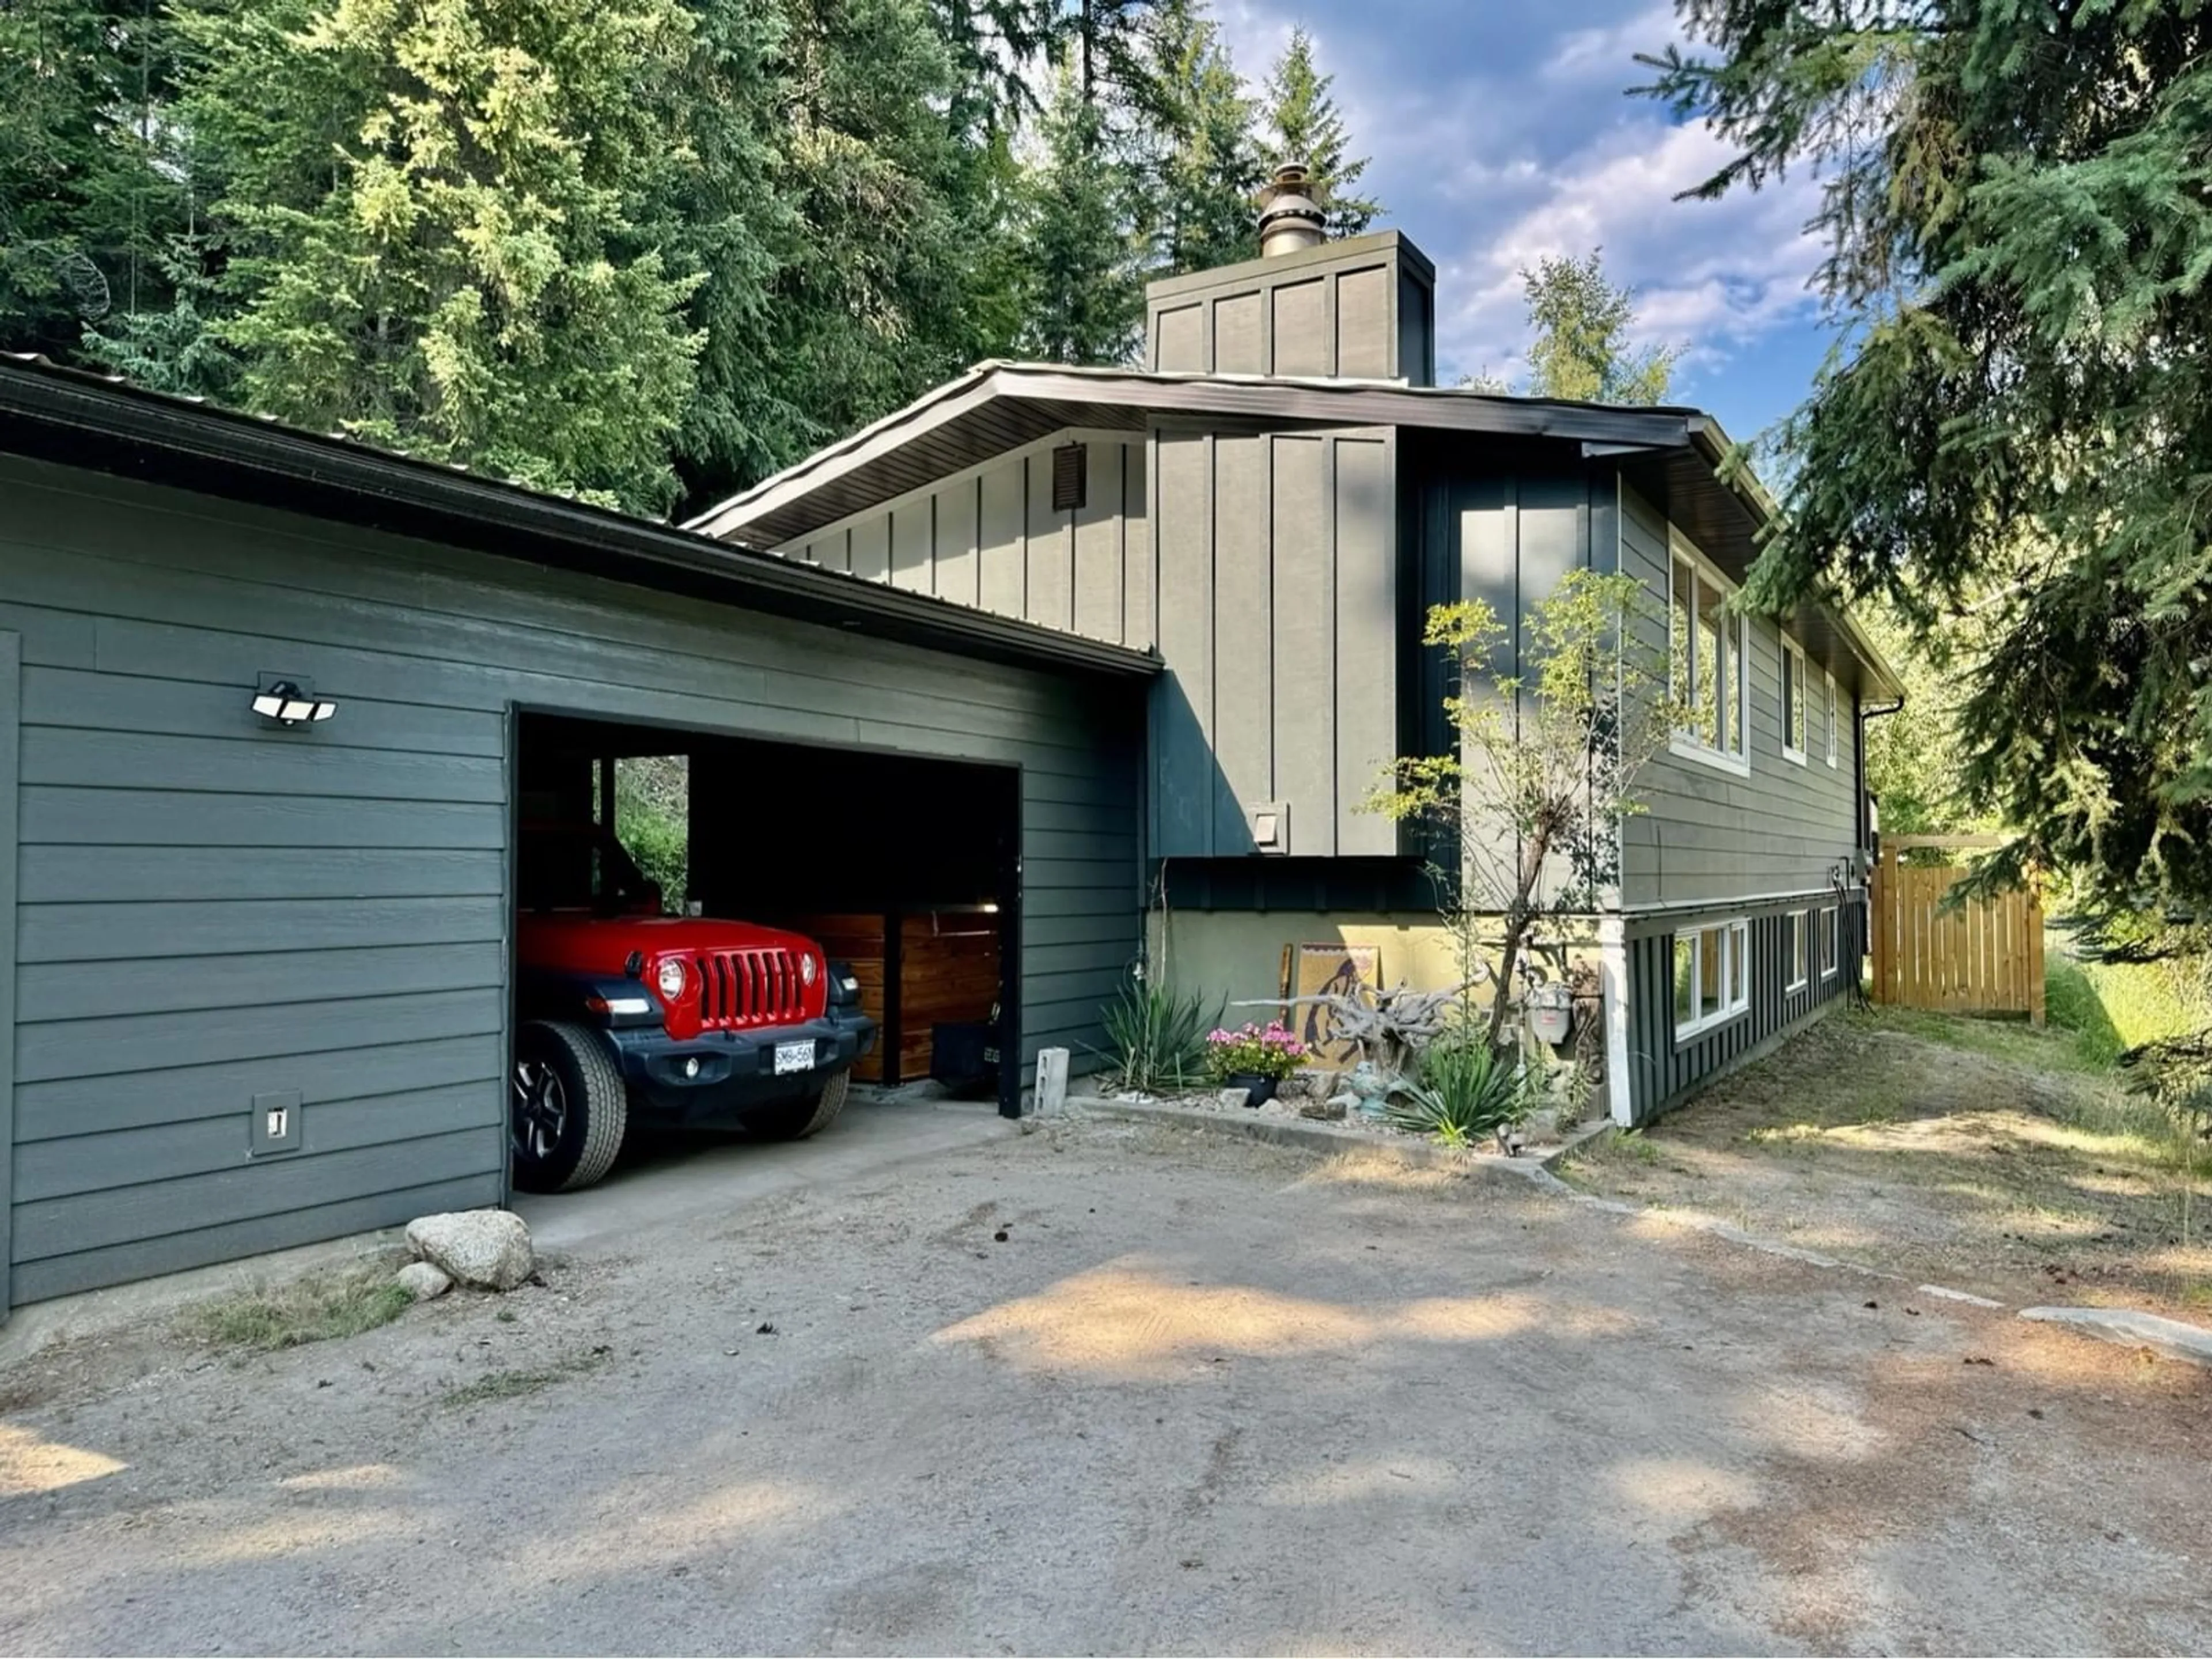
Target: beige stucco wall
<point>1238,955</point>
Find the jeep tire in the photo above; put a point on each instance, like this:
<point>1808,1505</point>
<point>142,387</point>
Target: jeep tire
<point>566,1107</point>
<point>795,1119</point>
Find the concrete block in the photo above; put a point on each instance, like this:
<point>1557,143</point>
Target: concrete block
<point>1051,1099</point>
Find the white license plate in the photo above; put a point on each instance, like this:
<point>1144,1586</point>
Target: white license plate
<point>793,1057</point>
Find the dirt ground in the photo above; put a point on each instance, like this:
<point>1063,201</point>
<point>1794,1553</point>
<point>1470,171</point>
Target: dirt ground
<point>1106,1387</point>
<point>1977,1155</point>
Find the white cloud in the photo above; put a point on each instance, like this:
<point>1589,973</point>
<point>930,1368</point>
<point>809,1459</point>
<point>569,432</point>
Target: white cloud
<point>1711,277</point>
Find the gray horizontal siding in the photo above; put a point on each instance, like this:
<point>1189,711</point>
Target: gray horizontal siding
<point>212,909</point>
<point>1708,836</point>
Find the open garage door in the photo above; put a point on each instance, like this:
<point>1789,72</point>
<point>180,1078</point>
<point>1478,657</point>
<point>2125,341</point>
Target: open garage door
<point>677,892</point>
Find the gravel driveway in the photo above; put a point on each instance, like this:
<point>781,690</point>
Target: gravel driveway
<point>1107,1388</point>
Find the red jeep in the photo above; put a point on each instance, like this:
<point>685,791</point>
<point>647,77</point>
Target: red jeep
<point>622,1010</point>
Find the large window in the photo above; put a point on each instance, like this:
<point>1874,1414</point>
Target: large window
<point>1793,712</point>
<point>1706,654</point>
<point>1797,942</point>
<point>1824,935</point>
<point>1712,975</point>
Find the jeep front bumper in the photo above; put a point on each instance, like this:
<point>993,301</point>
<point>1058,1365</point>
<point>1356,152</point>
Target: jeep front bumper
<point>720,1076</point>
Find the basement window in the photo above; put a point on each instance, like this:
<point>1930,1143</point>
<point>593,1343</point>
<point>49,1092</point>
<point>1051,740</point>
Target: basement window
<point>1712,976</point>
<point>1071,477</point>
<point>1796,946</point>
<point>1825,936</point>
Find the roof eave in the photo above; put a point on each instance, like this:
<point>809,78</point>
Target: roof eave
<point>73,418</point>
<point>1714,446</point>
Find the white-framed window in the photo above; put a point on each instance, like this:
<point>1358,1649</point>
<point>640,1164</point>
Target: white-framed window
<point>1707,650</point>
<point>1834,718</point>
<point>1793,712</point>
<point>1712,975</point>
<point>1796,943</point>
<point>1824,937</point>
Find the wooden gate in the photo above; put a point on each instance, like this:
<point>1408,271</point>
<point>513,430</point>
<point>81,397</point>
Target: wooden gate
<point>1984,957</point>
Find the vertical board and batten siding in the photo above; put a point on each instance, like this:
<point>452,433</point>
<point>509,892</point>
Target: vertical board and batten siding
<point>1360,308</point>
<point>1507,538</point>
<point>1279,601</point>
<point>1709,836</point>
<point>211,909</point>
<point>988,537</point>
<point>1664,1068</point>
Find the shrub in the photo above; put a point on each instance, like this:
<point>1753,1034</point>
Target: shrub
<point>1467,1088</point>
<point>1157,1038</point>
<point>1253,1051</point>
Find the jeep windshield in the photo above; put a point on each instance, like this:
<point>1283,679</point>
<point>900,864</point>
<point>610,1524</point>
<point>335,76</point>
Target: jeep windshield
<point>580,866</point>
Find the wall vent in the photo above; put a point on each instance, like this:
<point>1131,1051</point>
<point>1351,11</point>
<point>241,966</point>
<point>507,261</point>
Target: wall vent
<point>1071,477</point>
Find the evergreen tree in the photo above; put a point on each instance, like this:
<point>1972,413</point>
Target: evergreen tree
<point>2015,421</point>
<point>1303,124</point>
<point>1083,297</point>
<point>87,207</point>
<point>431,211</point>
<point>1582,322</point>
<point>1208,165</point>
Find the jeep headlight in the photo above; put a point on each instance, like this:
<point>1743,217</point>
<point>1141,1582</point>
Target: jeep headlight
<point>670,979</point>
<point>809,969</point>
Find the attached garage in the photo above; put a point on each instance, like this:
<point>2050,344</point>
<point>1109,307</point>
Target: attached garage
<point>206,914</point>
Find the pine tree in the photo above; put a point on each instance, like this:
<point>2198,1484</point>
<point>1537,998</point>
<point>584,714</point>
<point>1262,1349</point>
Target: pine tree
<point>1582,323</point>
<point>2015,423</point>
<point>1206,165</point>
<point>88,203</point>
<point>1083,297</point>
<point>431,213</point>
<point>1303,124</point>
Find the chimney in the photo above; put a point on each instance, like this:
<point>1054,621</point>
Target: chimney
<point>1290,221</point>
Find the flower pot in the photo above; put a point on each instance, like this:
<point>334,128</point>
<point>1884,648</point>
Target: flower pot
<point>1258,1090</point>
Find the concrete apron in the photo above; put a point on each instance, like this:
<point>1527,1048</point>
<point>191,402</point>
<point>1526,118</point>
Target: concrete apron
<point>698,1181</point>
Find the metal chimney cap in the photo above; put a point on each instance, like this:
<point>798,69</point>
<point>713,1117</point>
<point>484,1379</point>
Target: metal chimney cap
<point>1291,220</point>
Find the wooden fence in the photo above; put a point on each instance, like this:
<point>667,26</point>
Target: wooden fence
<point>1983,957</point>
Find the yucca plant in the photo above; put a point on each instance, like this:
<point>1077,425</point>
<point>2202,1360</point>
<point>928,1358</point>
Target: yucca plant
<point>1465,1089</point>
<point>1157,1038</point>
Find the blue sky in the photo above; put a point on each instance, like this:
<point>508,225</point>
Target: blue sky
<point>1499,133</point>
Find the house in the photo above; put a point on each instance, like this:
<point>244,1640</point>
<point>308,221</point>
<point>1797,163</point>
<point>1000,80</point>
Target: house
<point>1271,503</point>
<point>1041,646</point>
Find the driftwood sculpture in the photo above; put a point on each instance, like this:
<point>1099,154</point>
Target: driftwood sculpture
<point>1389,1027</point>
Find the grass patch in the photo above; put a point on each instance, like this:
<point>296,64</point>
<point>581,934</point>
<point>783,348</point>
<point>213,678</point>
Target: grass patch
<point>513,1384</point>
<point>1998,1036</point>
<point>2107,1007</point>
<point>318,1308</point>
<point>1614,1147</point>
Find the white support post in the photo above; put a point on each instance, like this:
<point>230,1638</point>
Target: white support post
<point>1613,961</point>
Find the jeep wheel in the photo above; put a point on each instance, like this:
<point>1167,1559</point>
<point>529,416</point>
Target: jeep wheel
<point>566,1110</point>
<point>795,1119</point>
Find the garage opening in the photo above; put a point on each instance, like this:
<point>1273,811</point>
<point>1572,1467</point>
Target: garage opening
<point>671,887</point>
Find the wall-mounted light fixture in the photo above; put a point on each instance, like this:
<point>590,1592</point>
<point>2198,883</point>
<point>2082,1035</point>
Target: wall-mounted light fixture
<point>290,702</point>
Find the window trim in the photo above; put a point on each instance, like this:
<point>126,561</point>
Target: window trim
<point>1792,652</point>
<point>1828,938</point>
<point>1688,744</point>
<point>1797,950</point>
<point>1834,719</point>
<point>1737,931</point>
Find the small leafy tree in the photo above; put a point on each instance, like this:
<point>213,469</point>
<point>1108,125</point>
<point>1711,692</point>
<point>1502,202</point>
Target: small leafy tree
<point>1551,739</point>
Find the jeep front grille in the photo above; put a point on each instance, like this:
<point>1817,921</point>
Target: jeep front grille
<point>747,988</point>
